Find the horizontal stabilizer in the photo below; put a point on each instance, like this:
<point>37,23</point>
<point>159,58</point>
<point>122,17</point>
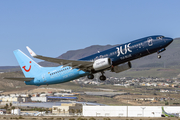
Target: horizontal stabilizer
<point>19,79</point>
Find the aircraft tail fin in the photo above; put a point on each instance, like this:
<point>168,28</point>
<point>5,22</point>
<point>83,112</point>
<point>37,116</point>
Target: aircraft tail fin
<point>163,109</point>
<point>164,112</point>
<point>29,67</point>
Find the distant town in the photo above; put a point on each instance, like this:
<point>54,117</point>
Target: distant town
<point>129,81</point>
<point>125,91</point>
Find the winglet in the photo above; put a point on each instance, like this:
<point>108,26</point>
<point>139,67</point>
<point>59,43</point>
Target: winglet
<point>33,54</point>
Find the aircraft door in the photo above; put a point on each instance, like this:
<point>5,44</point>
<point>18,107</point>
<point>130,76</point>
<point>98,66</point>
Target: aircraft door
<point>43,78</point>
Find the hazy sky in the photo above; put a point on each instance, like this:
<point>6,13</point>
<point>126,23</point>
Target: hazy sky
<point>52,27</point>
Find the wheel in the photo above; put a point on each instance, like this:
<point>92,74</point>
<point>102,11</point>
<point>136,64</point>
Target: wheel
<point>102,78</point>
<point>159,56</point>
<point>90,76</point>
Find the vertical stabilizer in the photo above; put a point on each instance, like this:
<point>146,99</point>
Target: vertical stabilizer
<point>163,110</point>
<point>28,66</point>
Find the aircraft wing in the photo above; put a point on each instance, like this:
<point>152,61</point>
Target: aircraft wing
<point>83,65</point>
<point>19,79</point>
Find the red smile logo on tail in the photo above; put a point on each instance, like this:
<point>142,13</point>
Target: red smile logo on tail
<point>24,67</point>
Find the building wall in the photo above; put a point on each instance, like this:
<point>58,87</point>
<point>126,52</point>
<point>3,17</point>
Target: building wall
<point>26,99</point>
<point>68,104</point>
<point>16,111</point>
<point>144,111</point>
<point>172,109</point>
<point>120,111</point>
<point>60,109</point>
<point>11,99</point>
<point>41,99</point>
<point>77,109</point>
<point>128,111</point>
<point>69,108</point>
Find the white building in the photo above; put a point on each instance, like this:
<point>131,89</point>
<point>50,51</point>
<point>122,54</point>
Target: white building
<point>63,94</point>
<point>11,99</point>
<point>39,99</point>
<point>128,111</point>
<point>15,111</point>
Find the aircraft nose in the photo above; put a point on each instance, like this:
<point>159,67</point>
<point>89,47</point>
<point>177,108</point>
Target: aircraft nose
<point>169,40</point>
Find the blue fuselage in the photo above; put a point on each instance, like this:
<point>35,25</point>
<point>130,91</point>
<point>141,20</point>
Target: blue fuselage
<point>118,55</point>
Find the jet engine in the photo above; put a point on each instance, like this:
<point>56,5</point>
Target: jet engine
<point>102,63</point>
<point>121,68</point>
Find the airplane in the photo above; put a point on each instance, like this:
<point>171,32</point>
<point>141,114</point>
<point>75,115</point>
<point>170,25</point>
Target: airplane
<point>165,114</point>
<point>116,59</point>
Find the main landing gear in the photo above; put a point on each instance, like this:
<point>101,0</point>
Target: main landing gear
<point>90,76</point>
<point>102,77</point>
<point>161,50</point>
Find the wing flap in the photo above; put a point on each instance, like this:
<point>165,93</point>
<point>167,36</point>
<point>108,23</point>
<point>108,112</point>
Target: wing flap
<point>18,78</point>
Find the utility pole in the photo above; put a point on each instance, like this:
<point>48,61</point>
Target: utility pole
<point>127,111</point>
<point>143,110</point>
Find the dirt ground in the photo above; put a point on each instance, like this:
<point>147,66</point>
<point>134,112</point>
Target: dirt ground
<point>34,90</point>
<point>10,117</point>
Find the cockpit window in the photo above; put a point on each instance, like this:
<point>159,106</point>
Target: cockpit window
<point>160,37</point>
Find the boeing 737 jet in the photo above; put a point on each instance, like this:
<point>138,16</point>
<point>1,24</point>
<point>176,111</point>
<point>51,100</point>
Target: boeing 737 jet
<point>116,60</point>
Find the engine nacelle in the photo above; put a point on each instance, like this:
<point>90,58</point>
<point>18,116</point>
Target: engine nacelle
<point>121,68</point>
<point>102,63</point>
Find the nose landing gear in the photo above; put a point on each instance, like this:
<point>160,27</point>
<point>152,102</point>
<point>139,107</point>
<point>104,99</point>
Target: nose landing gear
<point>161,50</point>
<point>159,56</point>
